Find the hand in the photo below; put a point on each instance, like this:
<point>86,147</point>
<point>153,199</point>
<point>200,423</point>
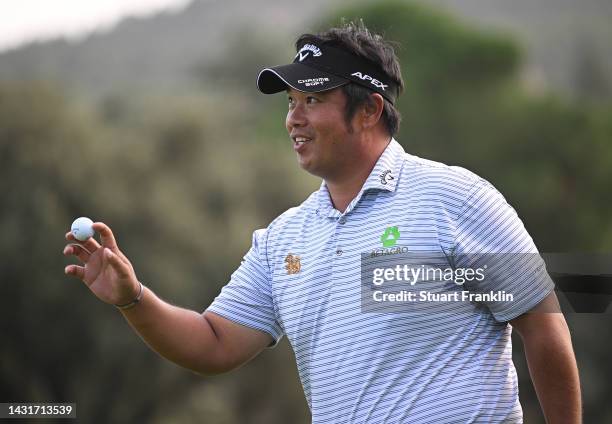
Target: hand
<point>106,271</point>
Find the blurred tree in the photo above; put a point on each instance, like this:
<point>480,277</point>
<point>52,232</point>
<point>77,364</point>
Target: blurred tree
<point>591,80</point>
<point>63,346</point>
<point>148,183</point>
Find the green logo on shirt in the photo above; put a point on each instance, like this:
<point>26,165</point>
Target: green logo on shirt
<point>390,236</point>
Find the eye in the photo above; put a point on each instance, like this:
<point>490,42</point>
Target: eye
<point>290,101</point>
<point>311,99</point>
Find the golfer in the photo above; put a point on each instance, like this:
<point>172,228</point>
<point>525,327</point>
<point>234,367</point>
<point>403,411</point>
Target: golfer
<point>303,277</point>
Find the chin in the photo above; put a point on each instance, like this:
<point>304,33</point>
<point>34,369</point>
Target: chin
<point>307,166</point>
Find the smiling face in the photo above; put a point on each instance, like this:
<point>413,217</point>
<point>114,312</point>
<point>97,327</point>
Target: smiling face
<point>322,139</point>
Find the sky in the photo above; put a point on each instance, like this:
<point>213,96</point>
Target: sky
<point>27,20</point>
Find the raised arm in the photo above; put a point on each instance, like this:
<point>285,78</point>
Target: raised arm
<point>205,343</point>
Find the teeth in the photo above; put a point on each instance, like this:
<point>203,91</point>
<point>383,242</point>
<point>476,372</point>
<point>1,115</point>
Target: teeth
<point>301,139</point>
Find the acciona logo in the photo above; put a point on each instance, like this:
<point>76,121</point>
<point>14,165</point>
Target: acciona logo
<point>306,50</point>
<point>373,81</point>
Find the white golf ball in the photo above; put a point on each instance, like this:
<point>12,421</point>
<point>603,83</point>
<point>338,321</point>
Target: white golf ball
<point>82,228</point>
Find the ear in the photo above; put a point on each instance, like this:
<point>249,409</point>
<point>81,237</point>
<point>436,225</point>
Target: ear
<point>372,111</point>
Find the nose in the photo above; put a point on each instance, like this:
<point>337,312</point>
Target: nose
<point>296,116</point>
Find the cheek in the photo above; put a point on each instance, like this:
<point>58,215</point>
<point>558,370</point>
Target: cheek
<point>336,129</point>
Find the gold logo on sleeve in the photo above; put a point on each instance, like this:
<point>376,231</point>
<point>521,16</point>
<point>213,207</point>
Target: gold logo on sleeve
<point>292,264</point>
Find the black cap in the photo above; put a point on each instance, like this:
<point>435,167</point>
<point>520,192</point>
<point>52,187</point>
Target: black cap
<point>321,67</point>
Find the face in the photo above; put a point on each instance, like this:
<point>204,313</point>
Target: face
<point>320,134</point>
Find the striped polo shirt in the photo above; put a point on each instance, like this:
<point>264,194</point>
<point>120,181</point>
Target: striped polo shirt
<point>304,278</point>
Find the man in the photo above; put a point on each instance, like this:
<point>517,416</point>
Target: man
<point>303,275</point>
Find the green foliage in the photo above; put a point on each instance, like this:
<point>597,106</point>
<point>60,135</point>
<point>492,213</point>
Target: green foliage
<point>182,199</point>
<point>437,52</point>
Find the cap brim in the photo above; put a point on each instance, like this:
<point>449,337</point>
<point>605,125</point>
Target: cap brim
<point>297,76</point>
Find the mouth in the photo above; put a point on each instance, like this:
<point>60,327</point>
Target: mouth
<point>299,142</point>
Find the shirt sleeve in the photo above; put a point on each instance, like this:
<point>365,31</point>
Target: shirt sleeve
<point>247,298</point>
<point>491,237</point>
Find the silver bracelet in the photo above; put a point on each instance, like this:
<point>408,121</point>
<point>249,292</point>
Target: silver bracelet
<point>133,302</point>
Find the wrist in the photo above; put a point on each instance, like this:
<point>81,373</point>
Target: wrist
<point>135,301</point>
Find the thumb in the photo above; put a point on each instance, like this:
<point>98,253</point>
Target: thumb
<point>111,259</point>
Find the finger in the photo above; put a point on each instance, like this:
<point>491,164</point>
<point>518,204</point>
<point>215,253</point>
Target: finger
<point>75,271</point>
<point>106,236</point>
<point>77,250</point>
<point>115,261</point>
<point>90,244</point>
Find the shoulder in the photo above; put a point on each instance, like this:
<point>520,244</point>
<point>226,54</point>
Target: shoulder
<point>445,185</point>
<point>429,171</point>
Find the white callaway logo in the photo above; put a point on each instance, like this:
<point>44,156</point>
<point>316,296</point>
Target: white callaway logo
<point>366,77</point>
<point>305,51</point>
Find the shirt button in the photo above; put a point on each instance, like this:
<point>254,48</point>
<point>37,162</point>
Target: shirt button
<point>342,220</point>
<point>339,252</point>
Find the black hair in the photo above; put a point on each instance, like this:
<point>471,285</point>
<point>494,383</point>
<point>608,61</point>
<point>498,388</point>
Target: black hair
<point>357,39</point>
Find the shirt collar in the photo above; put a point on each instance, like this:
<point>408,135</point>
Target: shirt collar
<point>384,176</point>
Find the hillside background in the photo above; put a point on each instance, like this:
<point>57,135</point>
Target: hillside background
<point>156,127</point>
<point>566,43</point>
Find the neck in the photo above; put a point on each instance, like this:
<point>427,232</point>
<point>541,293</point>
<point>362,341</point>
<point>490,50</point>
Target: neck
<point>344,188</point>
